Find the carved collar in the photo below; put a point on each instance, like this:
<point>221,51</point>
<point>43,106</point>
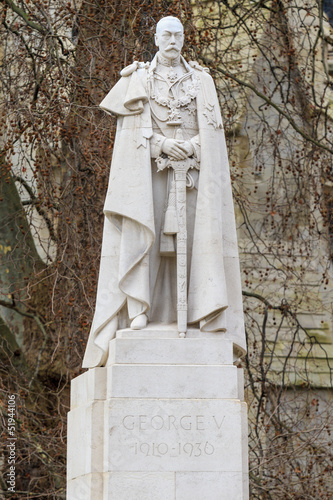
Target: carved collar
<point>168,62</point>
<point>153,64</point>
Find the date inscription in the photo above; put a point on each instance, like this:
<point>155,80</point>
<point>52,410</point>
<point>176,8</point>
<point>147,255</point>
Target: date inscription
<point>181,449</point>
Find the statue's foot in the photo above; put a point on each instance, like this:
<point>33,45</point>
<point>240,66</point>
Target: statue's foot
<point>139,322</point>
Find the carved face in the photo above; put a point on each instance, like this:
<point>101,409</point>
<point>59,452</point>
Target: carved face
<point>170,38</point>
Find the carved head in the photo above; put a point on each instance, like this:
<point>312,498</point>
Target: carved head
<point>169,37</point>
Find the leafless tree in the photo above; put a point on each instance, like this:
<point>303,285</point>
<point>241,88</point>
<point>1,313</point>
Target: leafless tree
<point>271,63</point>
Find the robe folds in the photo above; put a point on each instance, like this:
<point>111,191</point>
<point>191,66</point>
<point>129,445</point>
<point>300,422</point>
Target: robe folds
<point>214,289</point>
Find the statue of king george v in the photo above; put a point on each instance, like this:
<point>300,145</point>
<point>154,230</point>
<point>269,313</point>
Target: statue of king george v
<point>167,109</point>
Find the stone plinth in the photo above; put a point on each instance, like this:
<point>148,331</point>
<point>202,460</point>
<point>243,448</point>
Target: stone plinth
<point>163,420</point>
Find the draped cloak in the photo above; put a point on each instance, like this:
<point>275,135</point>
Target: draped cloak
<point>214,291</point>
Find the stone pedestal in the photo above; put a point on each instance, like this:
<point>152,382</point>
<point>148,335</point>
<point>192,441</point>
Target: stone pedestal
<point>164,420</point>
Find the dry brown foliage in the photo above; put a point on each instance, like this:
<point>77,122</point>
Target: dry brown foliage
<point>58,60</point>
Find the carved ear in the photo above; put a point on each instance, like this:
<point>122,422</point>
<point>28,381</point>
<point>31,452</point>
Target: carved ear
<point>156,39</point>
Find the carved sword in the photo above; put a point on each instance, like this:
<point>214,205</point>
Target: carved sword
<point>180,168</point>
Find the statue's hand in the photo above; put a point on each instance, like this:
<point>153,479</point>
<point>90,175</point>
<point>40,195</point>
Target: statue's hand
<point>187,145</point>
<point>177,150</point>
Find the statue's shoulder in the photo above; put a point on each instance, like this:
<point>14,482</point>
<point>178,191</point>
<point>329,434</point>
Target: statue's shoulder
<point>131,68</point>
<point>196,65</point>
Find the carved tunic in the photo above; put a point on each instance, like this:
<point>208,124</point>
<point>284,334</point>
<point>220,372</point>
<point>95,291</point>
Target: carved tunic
<point>172,100</point>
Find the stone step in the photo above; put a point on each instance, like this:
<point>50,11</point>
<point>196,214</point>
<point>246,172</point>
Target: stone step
<point>176,351</point>
<point>172,381</point>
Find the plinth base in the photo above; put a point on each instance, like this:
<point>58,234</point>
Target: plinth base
<point>163,420</point>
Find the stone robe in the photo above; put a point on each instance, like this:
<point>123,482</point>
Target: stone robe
<point>134,277</point>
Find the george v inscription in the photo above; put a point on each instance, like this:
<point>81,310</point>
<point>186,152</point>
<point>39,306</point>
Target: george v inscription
<point>173,435</point>
<point>172,423</point>
<point>169,422</point>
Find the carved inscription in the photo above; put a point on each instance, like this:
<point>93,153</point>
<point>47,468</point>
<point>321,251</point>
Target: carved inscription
<point>173,435</point>
<point>169,422</point>
<point>185,449</point>
<point>185,434</point>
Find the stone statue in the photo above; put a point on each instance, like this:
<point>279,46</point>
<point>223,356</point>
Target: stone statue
<point>168,115</point>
